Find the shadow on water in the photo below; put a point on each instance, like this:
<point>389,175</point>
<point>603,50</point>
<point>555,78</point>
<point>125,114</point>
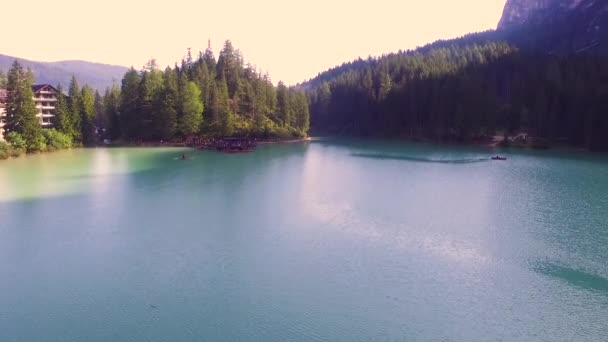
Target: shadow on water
<point>574,277</point>
<point>418,159</point>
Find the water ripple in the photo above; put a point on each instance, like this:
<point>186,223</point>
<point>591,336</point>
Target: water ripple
<point>418,159</point>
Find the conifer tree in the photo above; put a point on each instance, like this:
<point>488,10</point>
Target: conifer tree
<point>192,110</point>
<point>129,100</point>
<point>87,115</point>
<point>225,116</point>
<point>111,104</point>
<point>283,103</point>
<point>3,80</point>
<point>100,112</point>
<point>166,107</point>
<point>21,110</point>
<point>62,119</point>
<point>209,59</point>
<point>301,111</point>
<point>149,91</point>
<point>228,65</point>
<point>203,78</point>
<point>74,108</point>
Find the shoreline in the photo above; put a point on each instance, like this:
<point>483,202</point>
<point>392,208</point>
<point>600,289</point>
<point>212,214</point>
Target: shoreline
<point>492,145</point>
<point>292,141</point>
<point>184,144</point>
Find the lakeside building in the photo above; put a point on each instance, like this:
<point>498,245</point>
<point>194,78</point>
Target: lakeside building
<point>45,97</point>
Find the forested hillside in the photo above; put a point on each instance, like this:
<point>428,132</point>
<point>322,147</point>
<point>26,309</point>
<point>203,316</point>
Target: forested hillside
<point>461,93</point>
<point>520,79</point>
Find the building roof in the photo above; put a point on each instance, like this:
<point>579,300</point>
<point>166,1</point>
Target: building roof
<point>35,88</point>
<point>38,87</point>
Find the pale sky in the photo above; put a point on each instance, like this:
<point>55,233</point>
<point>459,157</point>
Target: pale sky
<point>292,40</point>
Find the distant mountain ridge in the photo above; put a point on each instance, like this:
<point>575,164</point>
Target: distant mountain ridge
<point>97,75</point>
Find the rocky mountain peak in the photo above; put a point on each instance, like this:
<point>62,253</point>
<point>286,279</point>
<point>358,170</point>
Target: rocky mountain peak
<point>518,12</point>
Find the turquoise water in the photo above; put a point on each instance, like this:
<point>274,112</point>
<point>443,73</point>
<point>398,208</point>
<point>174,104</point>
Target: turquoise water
<point>326,241</point>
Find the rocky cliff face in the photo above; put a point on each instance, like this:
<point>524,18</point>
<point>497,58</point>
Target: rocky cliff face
<point>557,26</point>
<point>519,12</point>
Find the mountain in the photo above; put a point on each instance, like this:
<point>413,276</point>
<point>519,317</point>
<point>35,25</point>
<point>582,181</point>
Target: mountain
<point>556,26</point>
<point>518,12</point>
<point>97,75</point>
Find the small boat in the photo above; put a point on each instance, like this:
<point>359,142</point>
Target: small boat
<point>498,158</point>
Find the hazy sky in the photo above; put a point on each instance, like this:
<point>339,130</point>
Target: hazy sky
<point>292,40</point>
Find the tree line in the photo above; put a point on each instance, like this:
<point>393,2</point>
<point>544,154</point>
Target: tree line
<point>202,96</point>
<point>464,90</point>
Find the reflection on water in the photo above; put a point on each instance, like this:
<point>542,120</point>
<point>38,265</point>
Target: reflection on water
<point>574,277</point>
<point>419,159</point>
<point>75,171</point>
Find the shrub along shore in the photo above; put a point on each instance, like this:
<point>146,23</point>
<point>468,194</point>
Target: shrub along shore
<point>51,140</point>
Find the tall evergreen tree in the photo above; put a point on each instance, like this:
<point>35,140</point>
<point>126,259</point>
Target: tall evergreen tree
<point>192,110</point>
<point>149,91</point>
<point>203,78</point>
<point>3,80</point>
<point>228,66</point>
<point>167,107</point>
<point>222,110</point>
<point>301,111</point>
<point>209,59</point>
<point>284,104</point>
<point>270,96</point>
<point>21,110</point>
<point>111,104</point>
<point>129,100</point>
<point>62,119</point>
<point>30,76</point>
<point>87,115</point>
<point>101,121</point>
<point>74,107</point>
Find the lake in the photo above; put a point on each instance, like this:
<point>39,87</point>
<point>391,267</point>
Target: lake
<point>333,240</point>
